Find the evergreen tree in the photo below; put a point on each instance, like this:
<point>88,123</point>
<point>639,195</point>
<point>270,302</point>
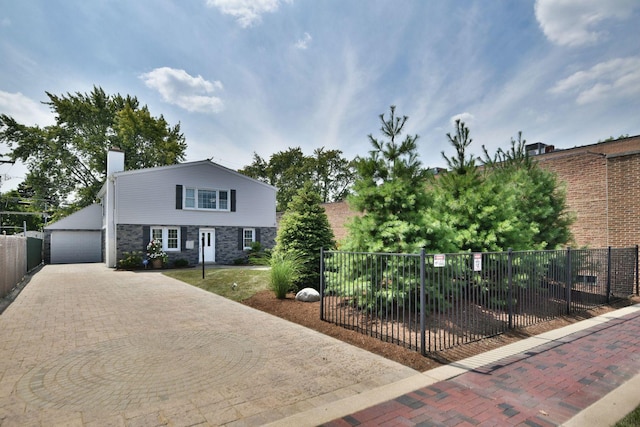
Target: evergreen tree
<point>304,229</point>
<point>391,193</point>
<point>511,203</point>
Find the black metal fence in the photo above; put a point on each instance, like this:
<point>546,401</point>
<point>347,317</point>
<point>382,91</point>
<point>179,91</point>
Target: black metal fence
<point>433,302</point>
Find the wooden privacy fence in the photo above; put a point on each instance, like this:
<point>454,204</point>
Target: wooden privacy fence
<point>13,262</point>
<point>432,302</point>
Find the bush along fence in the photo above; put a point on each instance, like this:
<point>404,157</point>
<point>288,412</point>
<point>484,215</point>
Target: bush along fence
<point>433,302</point>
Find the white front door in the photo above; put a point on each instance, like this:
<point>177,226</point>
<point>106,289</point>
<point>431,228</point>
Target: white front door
<point>208,242</point>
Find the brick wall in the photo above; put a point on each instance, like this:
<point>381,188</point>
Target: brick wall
<point>602,183</point>
<point>624,199</point>
<point>583,175</point>
<point>338,213</point>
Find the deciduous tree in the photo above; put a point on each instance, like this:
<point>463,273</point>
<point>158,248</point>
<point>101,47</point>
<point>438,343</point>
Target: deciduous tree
<point>67,161</point>
<point>331,174</point>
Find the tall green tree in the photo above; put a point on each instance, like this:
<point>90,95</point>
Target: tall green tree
<point>304,230</point>
<point>510,203</point>
<point>28,209</point>
<point>67,161</point>
<point>540,200</point>
<point>333,175</point>
<point>330,173</point>
<point>391,193</point>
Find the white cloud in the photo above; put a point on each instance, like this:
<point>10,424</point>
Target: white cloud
<point>303,43</point>
<point>25,110</point>
<point>575,22</point>
<point>179,88</point>
<point>617,78</point>
<point>246,12</point>
<point>466,118</point>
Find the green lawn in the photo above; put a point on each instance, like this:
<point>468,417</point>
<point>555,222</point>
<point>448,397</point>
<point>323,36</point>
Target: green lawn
<point>220,280</point>
<point>631,420</point>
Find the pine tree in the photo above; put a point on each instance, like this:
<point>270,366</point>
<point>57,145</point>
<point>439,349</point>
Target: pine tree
<point>304,229</point>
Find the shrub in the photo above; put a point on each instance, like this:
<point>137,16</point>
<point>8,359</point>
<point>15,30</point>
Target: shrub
<point>130,260</point>
<point>304,229</point>
<point>285,270</point>
<point>179,263</point>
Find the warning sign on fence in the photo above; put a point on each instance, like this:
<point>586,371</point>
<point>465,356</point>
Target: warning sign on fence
<point>439,260</point>
<point>477,262</point>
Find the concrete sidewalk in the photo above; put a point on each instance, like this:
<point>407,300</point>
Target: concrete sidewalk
<point>86,345</point>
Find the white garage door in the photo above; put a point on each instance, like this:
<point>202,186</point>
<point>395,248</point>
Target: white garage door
<point>69,247</point>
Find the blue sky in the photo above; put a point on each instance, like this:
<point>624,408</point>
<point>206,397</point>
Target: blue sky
<point>244,76</point>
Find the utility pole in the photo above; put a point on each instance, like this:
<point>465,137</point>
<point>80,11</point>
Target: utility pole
<point>5,162</point>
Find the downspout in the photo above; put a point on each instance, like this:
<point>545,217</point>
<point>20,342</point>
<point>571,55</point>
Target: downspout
<point>606,195</point>
<point>113,218</point>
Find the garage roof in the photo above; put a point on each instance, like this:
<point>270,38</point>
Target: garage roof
<point>89,218</point>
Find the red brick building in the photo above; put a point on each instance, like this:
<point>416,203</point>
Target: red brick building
<point>602,182</point>
<point>603,190</point>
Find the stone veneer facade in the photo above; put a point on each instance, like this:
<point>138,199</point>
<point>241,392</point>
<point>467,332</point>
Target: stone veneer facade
<point>130,238</point>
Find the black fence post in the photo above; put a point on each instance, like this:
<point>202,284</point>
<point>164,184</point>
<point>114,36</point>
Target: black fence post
<point>202,249</point>
<point>510,285</point>
<point>321,283</point>
<point>423,305</point>
<point>637,290</point>
<point>608,274</point>
<point>568,280</point>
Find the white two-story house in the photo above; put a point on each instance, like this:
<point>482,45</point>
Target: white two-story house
<point>188,207</point>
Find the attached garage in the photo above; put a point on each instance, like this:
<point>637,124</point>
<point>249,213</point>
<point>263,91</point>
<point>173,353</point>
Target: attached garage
<point>76,238</point>
<point>75,246</point>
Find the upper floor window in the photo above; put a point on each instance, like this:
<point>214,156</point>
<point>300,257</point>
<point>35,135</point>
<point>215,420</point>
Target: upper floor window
<point>199,198</point>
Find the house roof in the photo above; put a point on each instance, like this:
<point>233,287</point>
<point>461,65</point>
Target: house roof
<point>184,165</point>
<point>88,218</point>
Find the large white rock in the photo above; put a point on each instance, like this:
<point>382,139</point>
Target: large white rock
<point>308,295</point>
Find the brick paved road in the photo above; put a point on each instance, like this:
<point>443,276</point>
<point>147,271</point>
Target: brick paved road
<point>543,386</point>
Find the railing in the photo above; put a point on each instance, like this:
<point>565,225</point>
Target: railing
<point>431,302</point>
<point>13,262</point>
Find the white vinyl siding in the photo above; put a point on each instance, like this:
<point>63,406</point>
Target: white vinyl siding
<point>149,197</point>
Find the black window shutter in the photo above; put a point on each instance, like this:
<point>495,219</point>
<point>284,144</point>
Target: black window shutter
<point>183,238</point>
<point>146,234</point>
<point>233,200</point>
<point>178,196</point>
<point>257,236</point>
<point>240,239</point>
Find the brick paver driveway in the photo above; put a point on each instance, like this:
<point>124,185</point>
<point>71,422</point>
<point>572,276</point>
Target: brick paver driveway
<point>87,345</point>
